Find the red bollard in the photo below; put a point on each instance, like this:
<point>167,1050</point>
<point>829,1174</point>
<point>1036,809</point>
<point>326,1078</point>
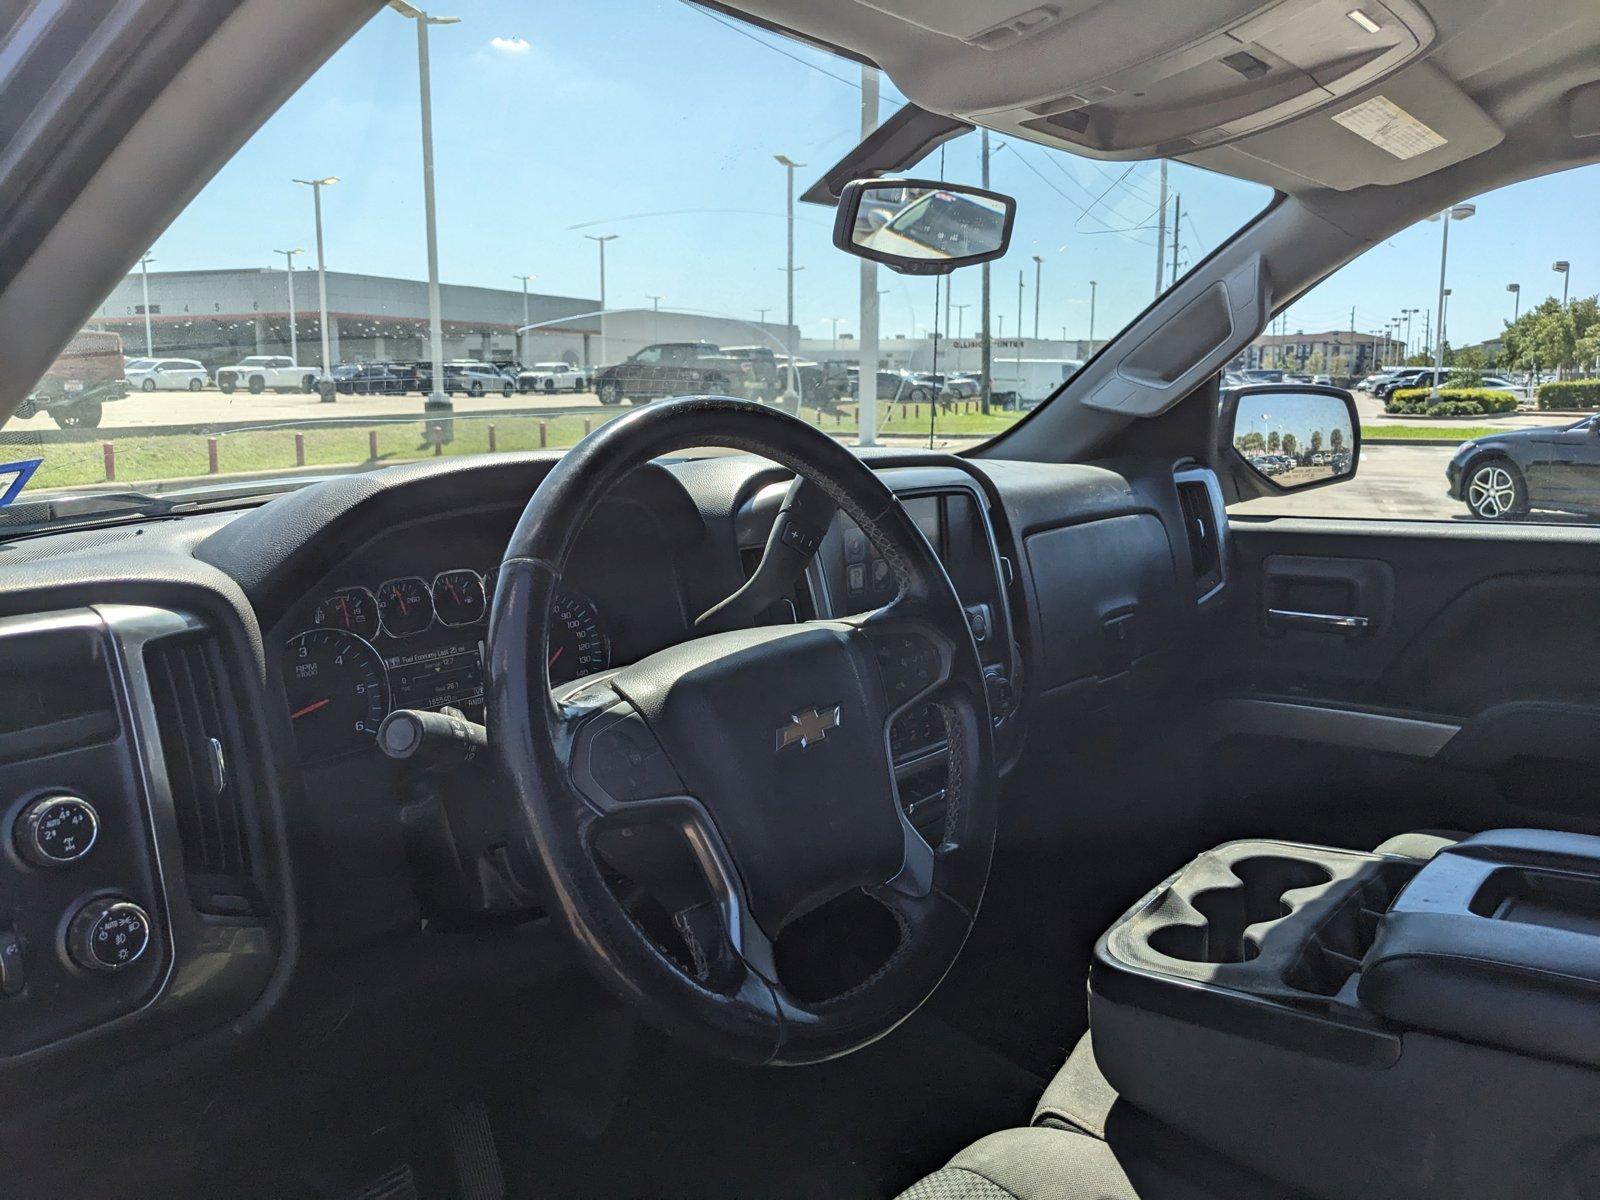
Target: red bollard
<point>372,445</point>
<point>491,439</point>
<point>109,451</point>
<point>544,434</point>
<point>299,449</point>
<point>211,455</point>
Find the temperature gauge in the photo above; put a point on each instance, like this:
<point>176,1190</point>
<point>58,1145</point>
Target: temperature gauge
<point>405,606</point>
<point>353,609</point>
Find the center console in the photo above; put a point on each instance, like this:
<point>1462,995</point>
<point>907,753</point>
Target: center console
<point>1366,1025</point>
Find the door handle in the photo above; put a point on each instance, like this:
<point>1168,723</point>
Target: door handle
<point>1347,624</point>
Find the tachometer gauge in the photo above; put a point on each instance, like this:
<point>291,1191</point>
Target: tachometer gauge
<point>578,642</point>
<point>337,688</point>
<point>405,605</point>
<point>353,608</point>
<point>458,597</point>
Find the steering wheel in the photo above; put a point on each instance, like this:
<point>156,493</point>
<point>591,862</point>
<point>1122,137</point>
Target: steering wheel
<point>763,752</point>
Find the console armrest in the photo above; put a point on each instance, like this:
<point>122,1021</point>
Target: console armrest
<point>1497,941</point>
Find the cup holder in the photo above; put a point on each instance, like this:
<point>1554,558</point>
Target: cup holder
<point>1255,894</point>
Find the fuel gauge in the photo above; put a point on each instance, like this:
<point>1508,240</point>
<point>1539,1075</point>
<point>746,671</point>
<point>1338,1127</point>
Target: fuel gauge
<point>458,597</point>
<point>353,609</point>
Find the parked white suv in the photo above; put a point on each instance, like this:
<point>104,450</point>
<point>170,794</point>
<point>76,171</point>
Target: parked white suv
<point>552,377</point>
<point>150,374</point>
<point>262,371</point>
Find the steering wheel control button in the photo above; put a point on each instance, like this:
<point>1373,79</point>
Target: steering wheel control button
<point>57,830</point>
<point>910,665</point>
<point>625,762</point>
<point>108,934</point>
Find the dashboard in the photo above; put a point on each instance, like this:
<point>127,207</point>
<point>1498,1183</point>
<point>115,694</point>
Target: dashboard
<point>192,703</point>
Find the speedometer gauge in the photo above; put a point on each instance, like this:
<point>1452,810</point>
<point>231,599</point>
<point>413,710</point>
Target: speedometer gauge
<point>578,642</point>
<point>337,688</point>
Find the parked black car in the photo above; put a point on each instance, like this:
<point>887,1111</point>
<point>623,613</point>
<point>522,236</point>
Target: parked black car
<point>370,379</point>
<point>1502,476</point>
<point>673,369</point>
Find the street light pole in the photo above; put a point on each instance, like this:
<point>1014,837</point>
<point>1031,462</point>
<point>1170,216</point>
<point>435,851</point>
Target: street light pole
<point>1564,269</point>
<point>316,186</point>
<point>436,398</point>
<point>288,266</point>
<point>789,165</point>
<point>1094,288</point>
<point>522,355</point>
<point>1038,279</point>
<point>601,240</point>
<point>144,283</point>
<point>1516,300</point>
<point>1460,212</point>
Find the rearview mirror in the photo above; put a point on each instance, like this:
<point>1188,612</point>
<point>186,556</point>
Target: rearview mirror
<point>1292,436</point>
<point>922,226</point>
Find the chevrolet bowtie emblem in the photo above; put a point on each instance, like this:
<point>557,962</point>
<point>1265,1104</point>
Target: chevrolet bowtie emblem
<point>809,726</point>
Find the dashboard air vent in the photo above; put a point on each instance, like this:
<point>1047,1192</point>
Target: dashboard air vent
<point>208,771</point>
<point>1202,525</point>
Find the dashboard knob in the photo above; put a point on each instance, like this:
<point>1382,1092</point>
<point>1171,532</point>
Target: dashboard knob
<point>57,830</point>
<point>108,934</point>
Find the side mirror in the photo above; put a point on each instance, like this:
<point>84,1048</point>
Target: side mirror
<point>1283,437</point>
<point>922,226</point>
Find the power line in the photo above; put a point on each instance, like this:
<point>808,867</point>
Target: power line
<point>743,32</point>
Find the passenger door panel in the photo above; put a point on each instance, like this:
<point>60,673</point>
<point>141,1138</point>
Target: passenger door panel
<point>1470,698</point>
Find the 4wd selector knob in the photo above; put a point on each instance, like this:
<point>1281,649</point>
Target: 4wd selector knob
<point>108,934</point>
<point>56,830</point>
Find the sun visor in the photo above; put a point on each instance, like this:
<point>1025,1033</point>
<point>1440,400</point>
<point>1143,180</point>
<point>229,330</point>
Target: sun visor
<point>1270,66</point>
<point>1409,126</point>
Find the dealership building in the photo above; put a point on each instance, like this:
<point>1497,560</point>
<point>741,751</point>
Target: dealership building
<point>220,316</point>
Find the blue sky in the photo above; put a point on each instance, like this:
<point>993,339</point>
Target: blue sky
<point>659,123</point>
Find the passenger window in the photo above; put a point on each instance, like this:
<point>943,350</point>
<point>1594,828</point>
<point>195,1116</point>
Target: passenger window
<point>1504,433</point>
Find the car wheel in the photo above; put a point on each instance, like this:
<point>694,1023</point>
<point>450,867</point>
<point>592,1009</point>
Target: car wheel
<point>80,416</point>
<point>195,385</point>
<point>507,390</point>
<point>1495,491</point>
<point>149,385</point>
<point>475,390</point>
<point>227,389</point>
<point>609,393</point>
<point>524,386</point>
<point>549,385</point>
<point>308,384</point>
<point>257,385</point>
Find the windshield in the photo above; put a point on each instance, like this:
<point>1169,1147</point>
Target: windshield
<point>661,241</point>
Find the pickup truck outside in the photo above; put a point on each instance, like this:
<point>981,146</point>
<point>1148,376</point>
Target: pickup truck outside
<point>673,369</point>
<point>260,372</point>
<point>83,377</point>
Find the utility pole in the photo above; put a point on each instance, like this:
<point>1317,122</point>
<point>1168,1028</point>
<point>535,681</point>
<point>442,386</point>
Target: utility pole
<point>601,240</point>
<point>867,344</point>
<point>792,396</point>
<point>288,266</point>
<point>522,353</point>
<point>1177,215</point>
<point>1038,280</point>
<point>1352,340</point>
<point>961,318</point>
<point>1161,229</point>
<point>1019,305</point>
<point>144,282</point>
<point>1094,288</point>
<point>655,317</point>
<point>762,314</point>
<point>1427,327</point>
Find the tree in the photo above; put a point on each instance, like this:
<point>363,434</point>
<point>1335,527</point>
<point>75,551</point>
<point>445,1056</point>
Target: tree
<point>1466,367</point>
<point>1336,439</point>
<point>1272,442</point>
<point>1290,445</point>
<point>1550,336</point>
<point>1316,440</point>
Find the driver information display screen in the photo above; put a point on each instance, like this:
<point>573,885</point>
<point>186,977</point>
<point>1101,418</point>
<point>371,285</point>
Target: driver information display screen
<point>433,678</point>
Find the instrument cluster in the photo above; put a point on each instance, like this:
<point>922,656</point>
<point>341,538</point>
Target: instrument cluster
<point>413,641</point>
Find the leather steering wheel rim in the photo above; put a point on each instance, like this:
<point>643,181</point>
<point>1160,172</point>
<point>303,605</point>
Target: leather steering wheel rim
<point>775,831</point>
